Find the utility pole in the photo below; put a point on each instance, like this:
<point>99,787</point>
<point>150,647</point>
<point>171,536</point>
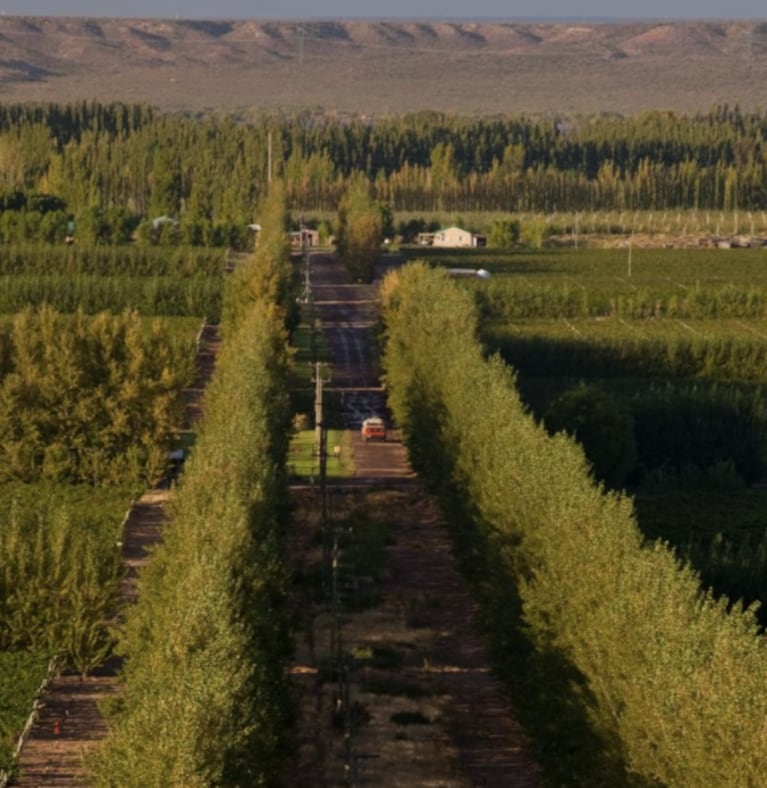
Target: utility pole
<point>320,437</point>
<point>318,416</point>
<point>308,299</point>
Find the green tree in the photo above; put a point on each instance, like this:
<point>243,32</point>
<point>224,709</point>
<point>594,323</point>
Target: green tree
<point>604,429</point>
<point>504,234</point>
<point>360,231</point>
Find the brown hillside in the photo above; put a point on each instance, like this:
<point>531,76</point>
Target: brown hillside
<point>385,67</point>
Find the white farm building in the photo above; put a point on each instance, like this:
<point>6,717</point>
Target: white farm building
<point>456,237</point>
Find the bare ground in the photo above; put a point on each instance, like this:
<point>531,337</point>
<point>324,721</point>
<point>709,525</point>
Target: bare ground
<point>386,67</point>
<point>424,621</point>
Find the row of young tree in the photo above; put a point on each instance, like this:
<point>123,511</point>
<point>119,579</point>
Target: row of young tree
<point>635,431</point>
<point>742,359</point>
<point>133,260</point>
<point>172,296</point>
<point>205,701</point>
<point>59,578</point>
<point>519,298</point>
<point>113,170</point>
<point>604,631</point>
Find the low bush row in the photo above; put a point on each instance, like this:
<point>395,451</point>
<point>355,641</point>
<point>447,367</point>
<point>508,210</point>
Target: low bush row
<point>171,296</point>
<point>511,298</point>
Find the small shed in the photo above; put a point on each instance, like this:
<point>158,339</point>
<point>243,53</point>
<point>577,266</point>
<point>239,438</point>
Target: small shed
<point>425,239</point>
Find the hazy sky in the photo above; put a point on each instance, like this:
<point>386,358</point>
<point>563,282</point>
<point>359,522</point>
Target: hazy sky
<point>392,9</point>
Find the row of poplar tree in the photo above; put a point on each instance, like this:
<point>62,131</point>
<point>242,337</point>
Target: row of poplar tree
<point>89,399</point>
<point>634,672</point>
<point>113,170</point>
<point>204,701</point>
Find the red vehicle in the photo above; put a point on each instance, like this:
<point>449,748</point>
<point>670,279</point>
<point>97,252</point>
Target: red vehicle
<point>373,428</point>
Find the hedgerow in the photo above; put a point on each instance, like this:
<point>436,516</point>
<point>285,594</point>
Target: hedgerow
<point>666,677</point>
<point>205,697</point>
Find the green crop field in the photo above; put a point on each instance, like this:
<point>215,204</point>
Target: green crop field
<point>659,266</point>
<point>618,328</point>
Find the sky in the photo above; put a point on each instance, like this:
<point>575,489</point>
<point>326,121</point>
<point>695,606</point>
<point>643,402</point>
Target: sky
<point>392,9</point>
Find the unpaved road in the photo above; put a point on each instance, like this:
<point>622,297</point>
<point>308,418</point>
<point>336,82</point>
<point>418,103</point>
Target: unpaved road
<point>392,678</point>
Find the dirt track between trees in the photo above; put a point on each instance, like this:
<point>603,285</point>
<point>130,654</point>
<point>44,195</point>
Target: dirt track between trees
<point>392,679</point>
<point>69,721</point>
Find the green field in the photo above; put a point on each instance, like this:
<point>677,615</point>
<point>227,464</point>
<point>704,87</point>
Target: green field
<point>677,266</point>
<point>618,328</point>
<point>304,461</point>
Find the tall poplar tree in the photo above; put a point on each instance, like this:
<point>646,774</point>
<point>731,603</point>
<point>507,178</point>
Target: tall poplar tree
<point>360,230</point>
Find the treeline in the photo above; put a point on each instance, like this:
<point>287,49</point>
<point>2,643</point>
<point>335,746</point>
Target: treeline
<point>89,400</point>
<point>28,218</point>
<point>685,403</point>
<point>517,298</point>
<point>360,231</point>
<point>114,169</point>
<point>598,628</point>
<point>205,700</point>
<point>170,296</point>
<point>68,122</point>
<point>637,432</point>
<point>742,359</point>
<point>111,261</point>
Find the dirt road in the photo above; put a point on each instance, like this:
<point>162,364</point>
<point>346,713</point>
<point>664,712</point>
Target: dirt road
<point>392,678</point>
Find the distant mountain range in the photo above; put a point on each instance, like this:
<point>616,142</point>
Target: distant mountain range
<point>386,66</point>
